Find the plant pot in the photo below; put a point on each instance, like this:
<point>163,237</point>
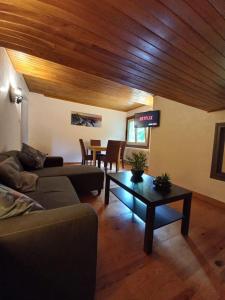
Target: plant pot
<point>137,175</point>
<point>162,186</point>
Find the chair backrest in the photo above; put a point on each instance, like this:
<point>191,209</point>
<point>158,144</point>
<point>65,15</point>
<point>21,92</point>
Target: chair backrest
<point>82,147</point>
<point>112,151</point>
<point>122,148</point>
<point>95,142</point>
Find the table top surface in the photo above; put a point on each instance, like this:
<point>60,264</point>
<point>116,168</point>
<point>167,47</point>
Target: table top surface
<point>145,190</point>
<point>97,147</point>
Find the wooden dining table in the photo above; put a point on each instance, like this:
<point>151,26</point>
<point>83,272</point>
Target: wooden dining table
<point>95,149</point>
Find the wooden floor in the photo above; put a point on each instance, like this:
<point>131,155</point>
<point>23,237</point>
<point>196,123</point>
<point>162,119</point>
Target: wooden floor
<point>178,269</point>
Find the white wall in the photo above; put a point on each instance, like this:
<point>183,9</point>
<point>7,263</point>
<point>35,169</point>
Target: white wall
<point>50,128</point>
<point>183,145</point>
<point>13,117</point>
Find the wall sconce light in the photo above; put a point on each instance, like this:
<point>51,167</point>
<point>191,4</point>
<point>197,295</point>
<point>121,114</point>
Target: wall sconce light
<point>15,95</point>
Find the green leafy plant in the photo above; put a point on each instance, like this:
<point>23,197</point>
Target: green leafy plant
<point>162,182</point>
<point>137,161</point>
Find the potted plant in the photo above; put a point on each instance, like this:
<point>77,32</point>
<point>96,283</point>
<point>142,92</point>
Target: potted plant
<point>138,164</point>
<point>162,183</point>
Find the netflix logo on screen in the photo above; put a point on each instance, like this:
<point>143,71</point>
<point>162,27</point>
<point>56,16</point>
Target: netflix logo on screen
<point>147,119</point>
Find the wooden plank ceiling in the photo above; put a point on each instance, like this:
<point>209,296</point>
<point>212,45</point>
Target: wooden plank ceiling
<point>171,48</point>
<point>58,81</point>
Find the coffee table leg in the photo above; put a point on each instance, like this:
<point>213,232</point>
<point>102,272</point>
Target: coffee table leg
<point>107,186</point>
<point>149,229</point>
<point>186,215</point>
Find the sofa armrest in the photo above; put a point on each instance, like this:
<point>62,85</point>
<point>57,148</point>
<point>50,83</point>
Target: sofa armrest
<point>50,254</point>
<point>53,161</point>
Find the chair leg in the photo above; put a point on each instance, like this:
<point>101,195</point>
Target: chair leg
<point>110,166</point>
<point>116,167</point>
<point>123,163</point>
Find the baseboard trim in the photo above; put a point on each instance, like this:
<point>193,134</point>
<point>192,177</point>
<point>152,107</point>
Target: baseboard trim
<point>209,200</point>
<point>72,163</point>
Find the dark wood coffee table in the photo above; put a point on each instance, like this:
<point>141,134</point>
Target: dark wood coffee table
<point>150,205</point>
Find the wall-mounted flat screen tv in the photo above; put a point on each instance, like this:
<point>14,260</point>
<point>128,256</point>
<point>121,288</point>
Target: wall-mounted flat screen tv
<point>147,119</point>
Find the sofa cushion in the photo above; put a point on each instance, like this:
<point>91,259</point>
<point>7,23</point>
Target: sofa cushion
<point>12,153</point>
<point>54,192</point>
<point>13,203</point>
<point>9,173</point>
<point>29,181</point>
<point>3,156</point>
<point>31,158</point>
<point>83,178</point>
<point>11,176</point>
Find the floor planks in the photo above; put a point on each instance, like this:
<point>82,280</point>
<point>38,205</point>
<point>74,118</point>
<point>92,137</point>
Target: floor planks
<point>178,269</point>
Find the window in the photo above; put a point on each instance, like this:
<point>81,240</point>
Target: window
<point>136,137</point>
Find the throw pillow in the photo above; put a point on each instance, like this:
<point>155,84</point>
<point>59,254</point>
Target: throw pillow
<point>11,176</point>
<point>10,173</point>
<point>13,203</point>
<point>28,182</point>
<point>15,154</point>
<point>31,158</point>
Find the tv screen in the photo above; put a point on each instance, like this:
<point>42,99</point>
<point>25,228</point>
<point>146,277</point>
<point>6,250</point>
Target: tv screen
<point>147,119</point>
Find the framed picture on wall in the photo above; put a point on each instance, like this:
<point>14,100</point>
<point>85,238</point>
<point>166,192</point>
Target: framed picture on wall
<point>84,119</point>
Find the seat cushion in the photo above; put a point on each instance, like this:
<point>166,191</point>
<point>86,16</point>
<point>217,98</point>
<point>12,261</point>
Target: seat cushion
<point>53,192</point>
<point>83,178</point>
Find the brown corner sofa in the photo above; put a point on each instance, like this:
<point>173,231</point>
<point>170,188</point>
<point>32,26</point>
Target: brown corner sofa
<point>51,254</point>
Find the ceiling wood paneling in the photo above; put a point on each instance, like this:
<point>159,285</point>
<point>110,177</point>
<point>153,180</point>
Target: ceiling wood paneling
<point>175,49</point>
<point>76,94</point>
<point>58,81</point>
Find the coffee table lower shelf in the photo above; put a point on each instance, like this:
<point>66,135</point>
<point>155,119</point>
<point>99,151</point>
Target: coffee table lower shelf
<point>164,214</point>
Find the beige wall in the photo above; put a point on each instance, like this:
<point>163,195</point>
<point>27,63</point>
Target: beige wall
<point>182,146</point>
<point>13,117</point>
<point>50,129</point>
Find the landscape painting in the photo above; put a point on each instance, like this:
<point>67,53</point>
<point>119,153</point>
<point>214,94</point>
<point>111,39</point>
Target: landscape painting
<point>84,119</point>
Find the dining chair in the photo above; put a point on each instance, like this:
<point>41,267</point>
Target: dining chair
<point>111,156</point>
<point>85,156</point>
<point>96,143</point>
<point>122,149</point>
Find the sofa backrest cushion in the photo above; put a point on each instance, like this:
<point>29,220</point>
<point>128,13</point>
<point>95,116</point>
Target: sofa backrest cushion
<point>13,203</point>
